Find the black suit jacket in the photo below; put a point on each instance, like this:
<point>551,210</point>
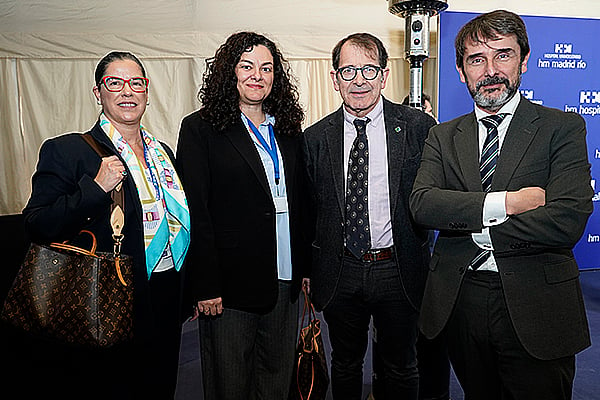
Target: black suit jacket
<point>406,129</point>
<point>233,249</point>
<point>65,199</point>
<point>543,147</point>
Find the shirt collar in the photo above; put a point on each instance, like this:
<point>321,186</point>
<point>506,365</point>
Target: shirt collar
<point>375,115</point>
<point>508,108</point>
<point>269,120</point>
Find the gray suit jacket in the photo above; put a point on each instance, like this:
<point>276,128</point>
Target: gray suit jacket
<point>543,147</point>
<point>323,150</point>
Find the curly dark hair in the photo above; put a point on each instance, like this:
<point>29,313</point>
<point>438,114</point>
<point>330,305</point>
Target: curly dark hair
<point>220,97</point>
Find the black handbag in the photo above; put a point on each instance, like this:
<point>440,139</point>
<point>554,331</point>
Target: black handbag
<point>310,380</point>
<point>75,295</point>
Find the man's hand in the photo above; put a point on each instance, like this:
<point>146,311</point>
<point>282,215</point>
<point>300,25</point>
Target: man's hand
<point>525,199</point>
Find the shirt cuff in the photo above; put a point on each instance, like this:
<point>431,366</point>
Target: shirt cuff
<point>494,209</point>
<point>494,213</point>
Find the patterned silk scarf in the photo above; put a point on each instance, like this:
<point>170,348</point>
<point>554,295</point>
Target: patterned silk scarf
<point>165,213</point>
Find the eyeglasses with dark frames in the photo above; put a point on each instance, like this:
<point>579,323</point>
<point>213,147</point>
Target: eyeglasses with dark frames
<point>137,84</point>
<point>369,72</point>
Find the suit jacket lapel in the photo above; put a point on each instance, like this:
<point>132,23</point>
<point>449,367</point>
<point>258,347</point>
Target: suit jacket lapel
<point>466,142</point>
<point>334,135</point>
<point>243,143</point>
<point>516,142</point>
<point>395,130</point>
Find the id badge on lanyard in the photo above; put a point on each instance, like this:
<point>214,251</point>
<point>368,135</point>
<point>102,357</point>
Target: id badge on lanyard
<point>281,205</point>
<point>280,202</point>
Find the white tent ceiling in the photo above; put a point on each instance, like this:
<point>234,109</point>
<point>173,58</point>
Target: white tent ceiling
<point>49,48</point>
<point>163,28</point>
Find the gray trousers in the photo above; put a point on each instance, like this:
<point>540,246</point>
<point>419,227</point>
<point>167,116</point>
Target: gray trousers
<point>248,355</point>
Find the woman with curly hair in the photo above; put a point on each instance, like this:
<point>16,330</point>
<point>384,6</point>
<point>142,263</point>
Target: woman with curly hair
<point>240,161</point>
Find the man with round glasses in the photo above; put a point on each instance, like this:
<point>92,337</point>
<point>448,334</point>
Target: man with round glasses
<point>368,72</point>
<point>369,260</point>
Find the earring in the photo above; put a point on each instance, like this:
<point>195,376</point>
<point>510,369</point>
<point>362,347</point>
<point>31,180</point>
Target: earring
<point>148,103</point>
<point>98,102</point>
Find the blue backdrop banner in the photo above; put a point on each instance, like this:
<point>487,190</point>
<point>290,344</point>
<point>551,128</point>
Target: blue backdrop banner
<point>563,72</point>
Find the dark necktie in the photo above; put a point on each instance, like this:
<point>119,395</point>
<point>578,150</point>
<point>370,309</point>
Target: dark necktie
<point>358,236</point>
<point>487,167</point>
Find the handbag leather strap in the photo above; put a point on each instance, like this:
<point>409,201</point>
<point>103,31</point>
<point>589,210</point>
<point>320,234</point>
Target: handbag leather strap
<point>309,309</point>
<point>65,246</point>
<point>117,214</point>
<point>117,193</point>
<point>75,249</point>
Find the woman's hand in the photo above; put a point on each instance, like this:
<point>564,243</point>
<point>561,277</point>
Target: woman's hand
<point>208,307</point>
<point>306,285</point>
<point>111,172</point>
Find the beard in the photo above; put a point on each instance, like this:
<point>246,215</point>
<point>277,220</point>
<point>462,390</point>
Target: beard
<point>485,102</point>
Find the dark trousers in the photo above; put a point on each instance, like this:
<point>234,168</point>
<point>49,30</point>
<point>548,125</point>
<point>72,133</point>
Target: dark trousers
<point>374,290</point>
<point>158,350</point>
<point>434,368</point>
<point>249,355</point>
<point>433,365</point>
<point>488,359</point>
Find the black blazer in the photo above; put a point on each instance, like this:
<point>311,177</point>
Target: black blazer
<point>233,249</point>
<point>65,199</point>
<point>543,147</point>
<point>406,130</point>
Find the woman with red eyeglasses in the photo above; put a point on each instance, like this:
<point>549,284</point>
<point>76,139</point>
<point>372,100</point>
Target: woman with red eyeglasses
<point>71,192</point>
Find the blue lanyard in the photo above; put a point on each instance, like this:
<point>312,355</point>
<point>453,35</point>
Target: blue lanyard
<point>272,150</point>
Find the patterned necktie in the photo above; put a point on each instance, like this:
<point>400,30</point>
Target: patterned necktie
<point>487,167</point>
<point>358,237</point>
